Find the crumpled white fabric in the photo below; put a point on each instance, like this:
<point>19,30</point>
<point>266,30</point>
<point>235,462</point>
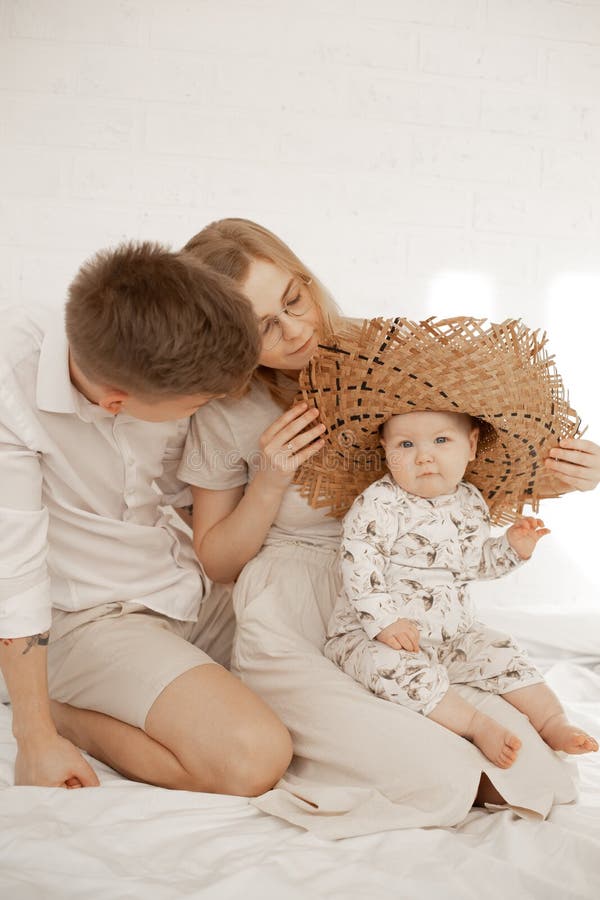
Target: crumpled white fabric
<point>132,840</point>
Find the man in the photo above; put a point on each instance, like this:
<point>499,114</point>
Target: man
<point>110,639</point>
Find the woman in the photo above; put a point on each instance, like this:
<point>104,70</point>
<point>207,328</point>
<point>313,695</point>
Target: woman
<point>251,524</point>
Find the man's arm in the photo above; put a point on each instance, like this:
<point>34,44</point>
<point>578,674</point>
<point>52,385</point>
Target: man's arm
<point>43,757</point>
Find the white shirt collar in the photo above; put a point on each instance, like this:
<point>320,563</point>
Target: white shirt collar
<point>55,392</point>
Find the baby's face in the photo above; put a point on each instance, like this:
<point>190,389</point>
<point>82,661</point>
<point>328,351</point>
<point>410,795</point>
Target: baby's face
<point>427,452</point>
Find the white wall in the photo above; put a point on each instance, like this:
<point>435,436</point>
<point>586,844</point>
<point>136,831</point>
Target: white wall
<point>423,156</point>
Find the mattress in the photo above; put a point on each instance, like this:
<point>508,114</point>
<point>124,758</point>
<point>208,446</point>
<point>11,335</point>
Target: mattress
<point>129,840</point>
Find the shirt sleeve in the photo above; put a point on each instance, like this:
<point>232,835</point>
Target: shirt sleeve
<point>25,606</point>
<point>175,492</point>
<point>211,457</point>
<point>497,556</point>
<point>369,530</point>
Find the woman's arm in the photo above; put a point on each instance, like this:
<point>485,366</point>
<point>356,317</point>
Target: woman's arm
<point>230,525</point>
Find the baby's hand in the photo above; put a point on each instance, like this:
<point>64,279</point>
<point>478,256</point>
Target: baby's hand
<point>524,535</point>
<point>400,635</point>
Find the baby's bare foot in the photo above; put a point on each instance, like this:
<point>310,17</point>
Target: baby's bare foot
<point>495,741</point>
<point>561,735</point>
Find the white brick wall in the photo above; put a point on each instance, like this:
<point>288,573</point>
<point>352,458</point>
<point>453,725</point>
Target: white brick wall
<point>469,127</point>
<point>398,145</point>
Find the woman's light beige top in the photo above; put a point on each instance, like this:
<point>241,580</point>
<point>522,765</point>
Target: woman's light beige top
<point>222,452</point>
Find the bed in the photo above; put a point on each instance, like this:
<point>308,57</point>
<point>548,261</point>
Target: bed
<point>127,840</point>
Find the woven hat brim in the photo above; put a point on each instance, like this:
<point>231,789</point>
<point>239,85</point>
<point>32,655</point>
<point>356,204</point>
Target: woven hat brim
<point>499,373</point>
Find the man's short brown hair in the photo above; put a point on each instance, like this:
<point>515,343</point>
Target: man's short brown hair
<point>152,322</point>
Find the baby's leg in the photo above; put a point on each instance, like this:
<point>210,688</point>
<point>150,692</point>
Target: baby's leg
<point>419,682</point>
<point>495,741</point>
<point>542,707</point>
<point>413,680</point>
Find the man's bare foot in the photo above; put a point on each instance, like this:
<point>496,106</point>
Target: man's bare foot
<point>561,735</point>
<point>495,741</point>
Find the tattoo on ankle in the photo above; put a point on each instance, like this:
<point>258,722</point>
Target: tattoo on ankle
<point>7,641</point>
<point>37,639</point>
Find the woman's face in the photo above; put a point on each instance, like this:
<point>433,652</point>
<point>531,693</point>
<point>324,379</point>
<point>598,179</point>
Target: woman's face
<point>289,319</point>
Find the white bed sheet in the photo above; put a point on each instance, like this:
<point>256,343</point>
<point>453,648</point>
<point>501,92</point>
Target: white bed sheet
<point>127,840</point>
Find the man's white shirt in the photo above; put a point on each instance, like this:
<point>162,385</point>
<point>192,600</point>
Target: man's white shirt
<point>84,494</point>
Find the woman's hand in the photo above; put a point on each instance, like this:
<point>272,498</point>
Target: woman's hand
<point>285,445</point>
<point>230,525</point>
<point>575,463</point>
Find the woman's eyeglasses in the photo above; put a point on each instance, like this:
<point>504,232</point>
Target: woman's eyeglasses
<point>298,303</point>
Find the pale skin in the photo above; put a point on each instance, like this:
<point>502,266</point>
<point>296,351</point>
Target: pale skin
<point>427,453</point>
<point>245,750</point>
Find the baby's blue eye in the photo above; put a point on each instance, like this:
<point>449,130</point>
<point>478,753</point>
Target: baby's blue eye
<point>406,444</point>
<point>441,440</point>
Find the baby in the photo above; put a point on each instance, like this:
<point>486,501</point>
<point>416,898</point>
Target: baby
<point>404,624</point>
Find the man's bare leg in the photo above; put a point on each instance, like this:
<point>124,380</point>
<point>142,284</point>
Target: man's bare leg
<point>123,747</point>
<point>543,709</point>
<point>495,741</point>
<point>205,732</point>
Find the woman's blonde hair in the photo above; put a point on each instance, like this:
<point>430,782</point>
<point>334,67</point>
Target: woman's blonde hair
<point>230,246</point>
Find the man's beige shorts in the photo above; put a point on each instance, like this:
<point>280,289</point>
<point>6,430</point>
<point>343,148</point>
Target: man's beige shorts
<point>118,658</point>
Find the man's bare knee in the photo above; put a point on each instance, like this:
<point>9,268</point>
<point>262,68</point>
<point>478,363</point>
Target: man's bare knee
<point>250,764</point>
<point>228,742</point>
<point>262,759</point>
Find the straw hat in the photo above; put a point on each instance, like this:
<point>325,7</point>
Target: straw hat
<point>499,373</point>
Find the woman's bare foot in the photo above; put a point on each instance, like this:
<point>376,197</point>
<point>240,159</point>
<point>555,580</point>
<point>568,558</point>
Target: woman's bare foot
<point>495,741</point>
<point>561,735</point>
